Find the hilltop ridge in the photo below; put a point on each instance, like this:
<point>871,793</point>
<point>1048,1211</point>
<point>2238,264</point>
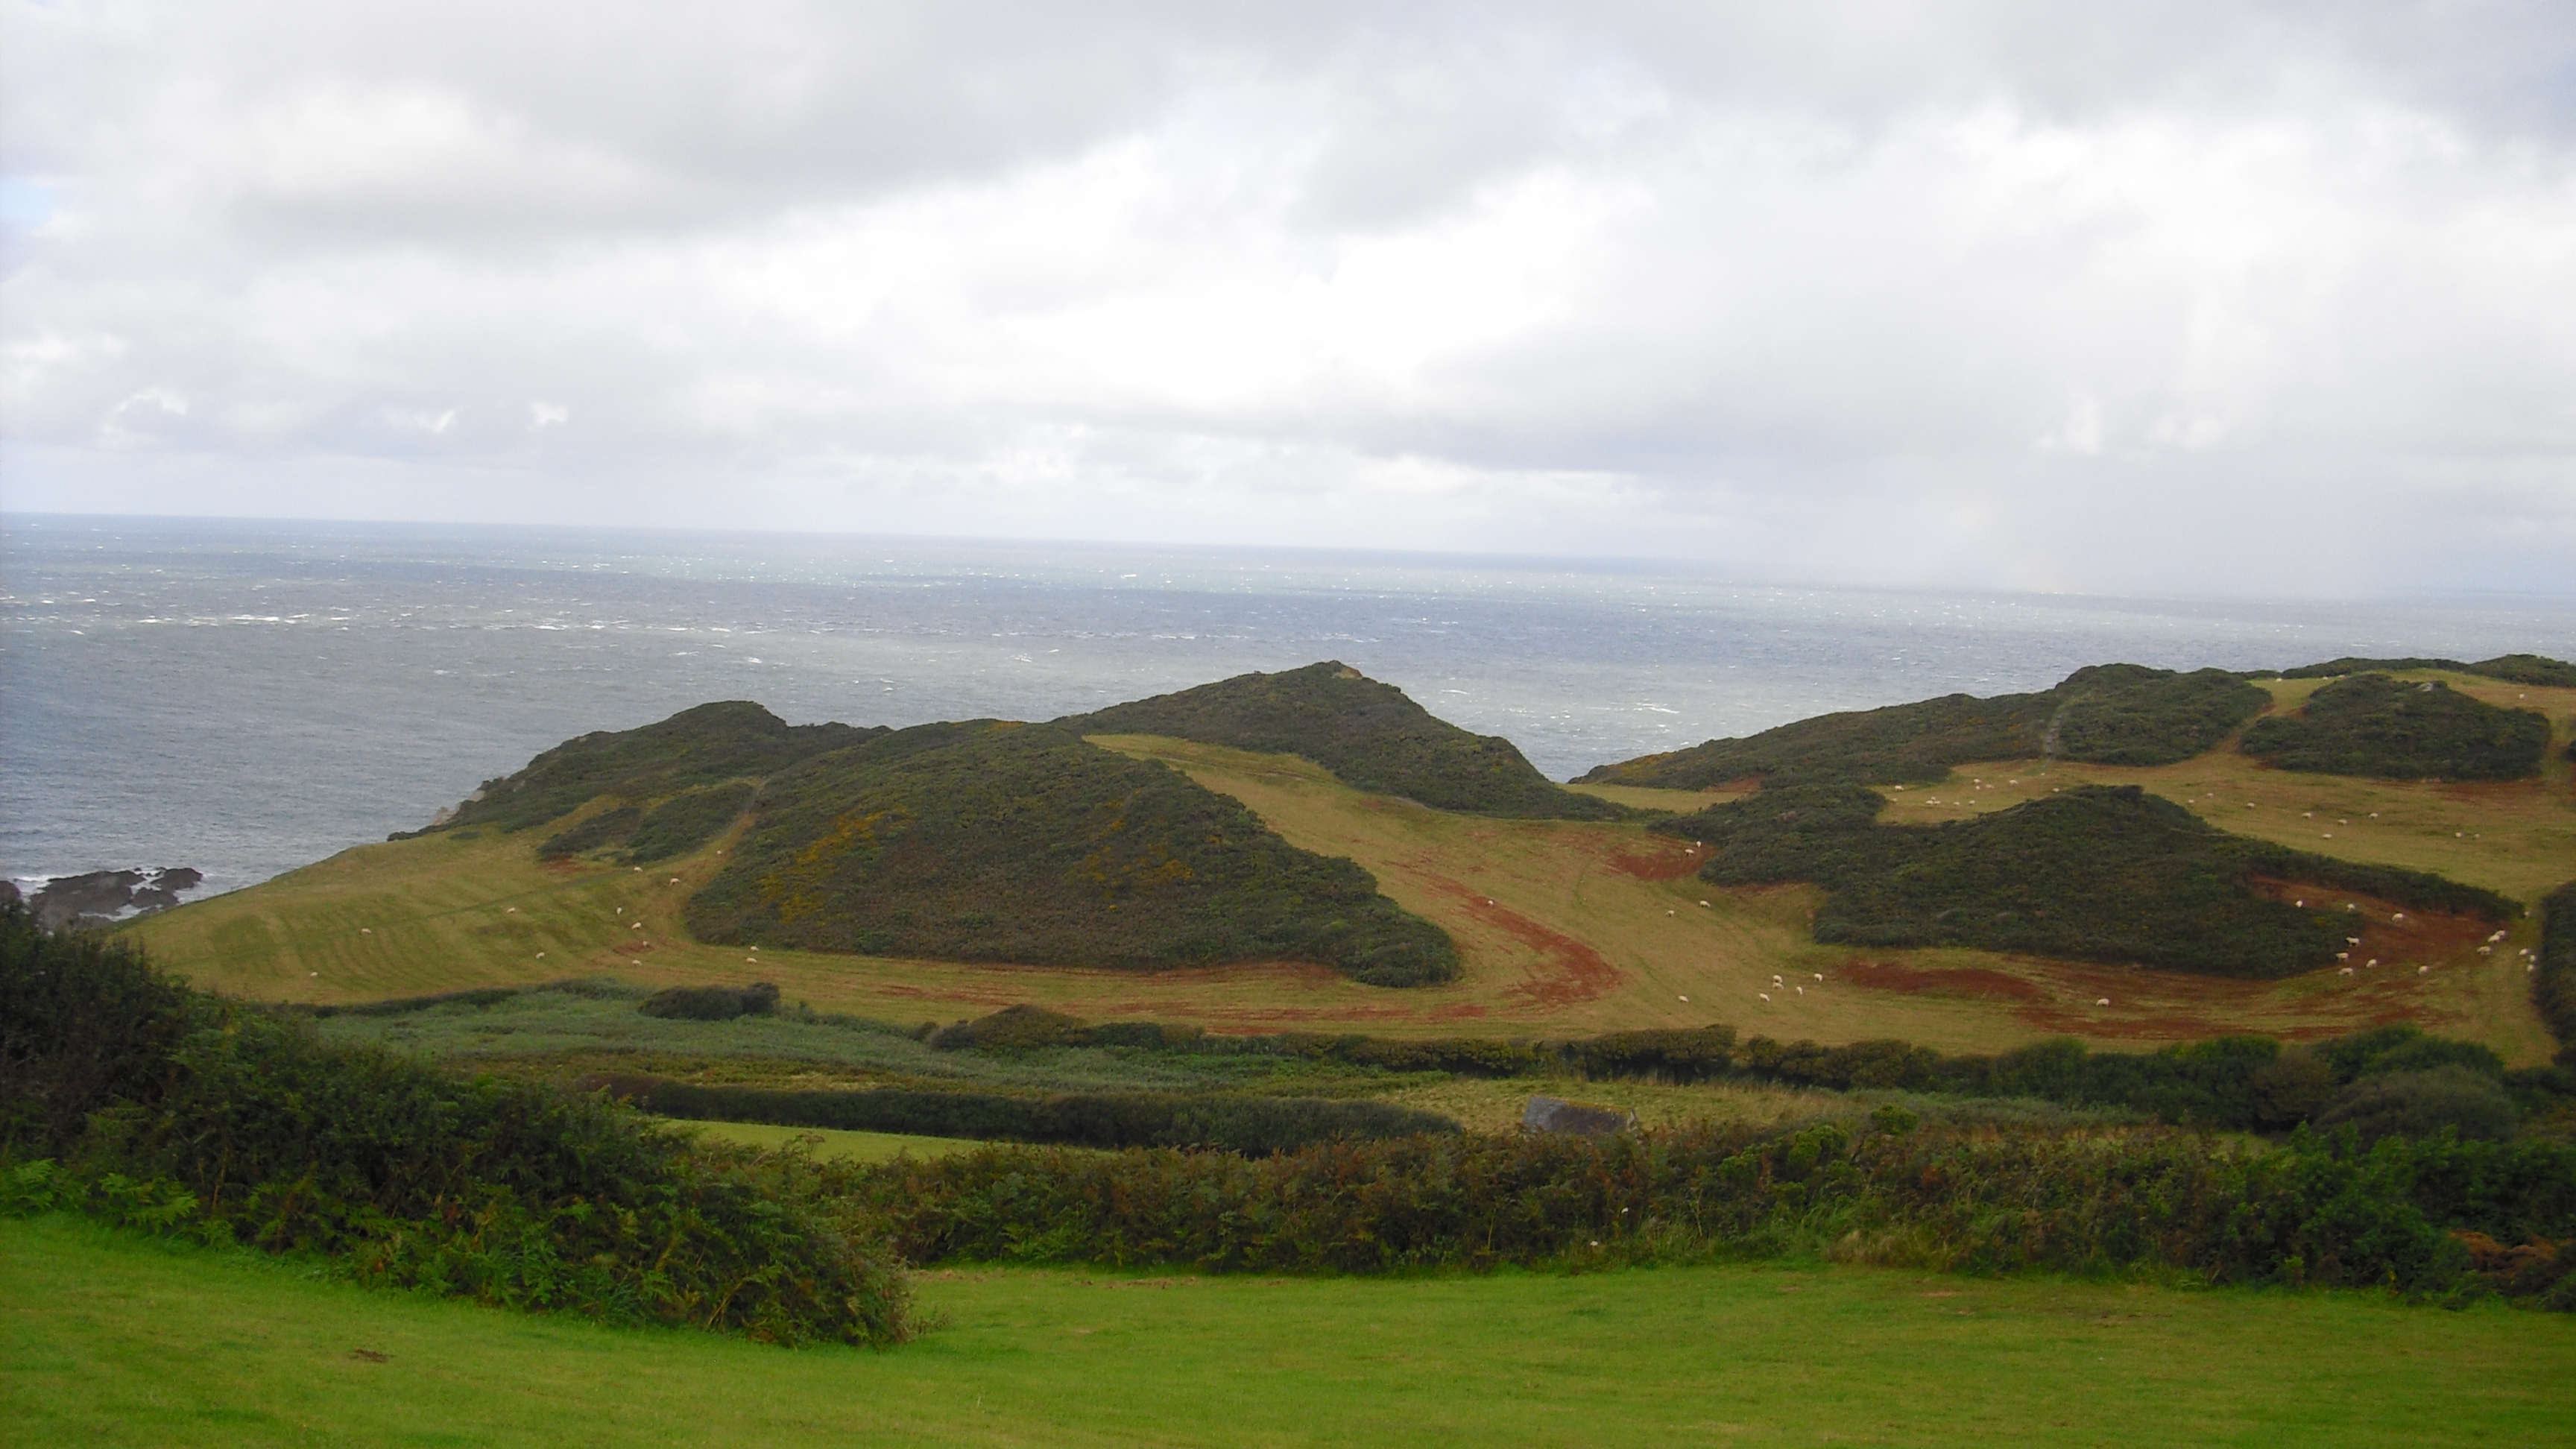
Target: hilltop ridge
<point>1369,735</point>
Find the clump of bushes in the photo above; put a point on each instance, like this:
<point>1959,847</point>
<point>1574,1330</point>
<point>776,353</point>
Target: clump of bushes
<point>2373,725</point>
<point>2553,982</point>
<point>2322,1210</point>
<point>1024,843</point>
<point>2124,714</point>
<point>711,1003</point>
<point>1082,1119</point>
<point>672,828</point>
<point>706,745</point>
<point>1368,734</point>
<point>124,1093</point>
<point>2096,873</point>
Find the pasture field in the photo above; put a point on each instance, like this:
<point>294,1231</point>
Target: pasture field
<point>107,1338</point>
<point>830,1145</point>
<point>1565,928</point>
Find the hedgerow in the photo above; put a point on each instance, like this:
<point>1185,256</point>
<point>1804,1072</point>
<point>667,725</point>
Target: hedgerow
<point>125,1094</point>
<point>2408,1215</point>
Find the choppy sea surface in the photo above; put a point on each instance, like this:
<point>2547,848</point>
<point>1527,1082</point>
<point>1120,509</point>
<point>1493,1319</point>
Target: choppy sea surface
<point>248,697</point>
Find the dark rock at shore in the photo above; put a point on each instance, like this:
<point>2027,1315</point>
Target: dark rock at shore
<point>101,896</point>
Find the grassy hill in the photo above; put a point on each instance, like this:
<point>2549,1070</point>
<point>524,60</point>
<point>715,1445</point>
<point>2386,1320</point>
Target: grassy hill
<point>2099,874</point>
<point>2373,724</point>
<point>1368,734</point>
<point>2112,714</point>
<point>1024,843</point>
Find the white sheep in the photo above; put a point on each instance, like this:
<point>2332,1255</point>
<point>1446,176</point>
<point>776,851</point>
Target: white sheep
<point>1765,995</point>
<point>2105,1001</point>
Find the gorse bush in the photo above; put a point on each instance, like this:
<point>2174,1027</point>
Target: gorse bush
<point>674,827</point>
<point>2096,873</point>
<point>1023,843</point>
<point>711,744</point>
<point>2370,724</point>
<point>240,1125</point>
<point>2512,668</point>
<point>2324,1210</point>
<point>1369,735</point>
<point>2554,975</point>
<point>2123,714</point>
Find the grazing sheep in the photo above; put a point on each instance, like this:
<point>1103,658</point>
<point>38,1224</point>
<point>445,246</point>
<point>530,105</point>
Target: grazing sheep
<point>2347,971</point>
<point>1820,976</point>
<point>2420,970</point>
<point>1765,995</point>
<point>2105,1001</point>
<point>2486,950</point>
<point>1681,998</point>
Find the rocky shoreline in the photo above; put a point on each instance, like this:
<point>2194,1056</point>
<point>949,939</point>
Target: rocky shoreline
<point>103,896</point>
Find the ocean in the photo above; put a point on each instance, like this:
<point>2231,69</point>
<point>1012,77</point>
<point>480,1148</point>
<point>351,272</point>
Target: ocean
<point>246,697</point>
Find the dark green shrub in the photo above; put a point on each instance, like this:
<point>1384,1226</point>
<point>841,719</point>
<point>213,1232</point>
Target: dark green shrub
<point>167,1110</point>
<point>1368,734</point>
<point>84,1021</point>
<point>2419,1104</point>
<point>592,832</point>
<point>2553,982</point>
<point>712,1003</point>
<point>1014,1028</point>
<point>705,745</point>
<point>2105,713</point>
<point>687,821</point>
<point>2103,874</point>
<point>2372,725</point>
<point>1024,843</point>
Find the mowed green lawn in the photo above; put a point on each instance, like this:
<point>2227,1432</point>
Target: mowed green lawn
<point>109,1339</point>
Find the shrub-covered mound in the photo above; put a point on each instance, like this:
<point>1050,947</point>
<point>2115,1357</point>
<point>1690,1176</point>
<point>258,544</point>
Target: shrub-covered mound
<point>2370,724</point>
<point>2553,982</point>
<point>124,1093</point>
<point>1023,843</point>
<point>2097,873</point>
<point>2425,1217</point>
<point>2112,714</point>
<point>1368,734</point>
<point>709,745</point>
<point>2512,668</point>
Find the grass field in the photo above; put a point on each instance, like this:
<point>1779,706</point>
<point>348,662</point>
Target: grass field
<point>831,1145</point>
<point>1565,928</point>
<point>110,1339</point>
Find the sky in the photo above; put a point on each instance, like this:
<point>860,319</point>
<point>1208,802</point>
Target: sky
<point>2180,297</point>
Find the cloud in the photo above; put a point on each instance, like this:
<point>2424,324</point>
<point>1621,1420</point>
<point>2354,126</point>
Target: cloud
<point>2207,295</point>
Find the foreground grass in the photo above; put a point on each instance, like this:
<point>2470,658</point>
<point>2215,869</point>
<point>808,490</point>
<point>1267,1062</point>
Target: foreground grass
<point>108,1339</point>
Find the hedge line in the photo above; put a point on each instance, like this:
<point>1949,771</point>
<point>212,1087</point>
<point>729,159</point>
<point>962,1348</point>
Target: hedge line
<point>2554,982</point>
<point>2423,1217</point>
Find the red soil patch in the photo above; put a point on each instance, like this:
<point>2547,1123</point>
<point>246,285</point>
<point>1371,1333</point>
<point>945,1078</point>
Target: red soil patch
<point>1663,862</point>
<point>1567,973</point>
<point>1954,981</point>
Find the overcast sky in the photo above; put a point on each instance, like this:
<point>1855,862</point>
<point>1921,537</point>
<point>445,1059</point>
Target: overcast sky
<point>2168,297</point>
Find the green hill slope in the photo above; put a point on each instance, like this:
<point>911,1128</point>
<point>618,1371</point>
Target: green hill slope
<point>2511,668</point>
<point>1368,734</point>
<point>2102,874</point>
<point>990,841</point>
<point>2110,714</point>
<point>2370,724</point>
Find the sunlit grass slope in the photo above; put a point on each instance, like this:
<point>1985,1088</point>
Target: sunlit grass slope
<point>110,1340</point>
